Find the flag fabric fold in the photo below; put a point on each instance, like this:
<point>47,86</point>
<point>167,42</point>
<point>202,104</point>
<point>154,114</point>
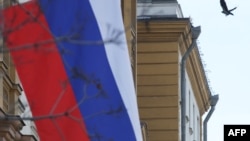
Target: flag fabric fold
<point>73,63</point>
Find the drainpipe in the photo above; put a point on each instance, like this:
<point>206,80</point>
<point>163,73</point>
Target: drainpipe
<point>195,34</point>
<point>213,101</point>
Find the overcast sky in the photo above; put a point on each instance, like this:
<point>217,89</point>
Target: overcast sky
<point>225,45</point>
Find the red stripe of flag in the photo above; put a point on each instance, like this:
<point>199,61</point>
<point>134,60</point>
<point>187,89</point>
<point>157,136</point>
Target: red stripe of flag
<point>41,70</point>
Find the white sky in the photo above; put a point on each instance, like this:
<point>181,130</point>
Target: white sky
<point>225,43</point>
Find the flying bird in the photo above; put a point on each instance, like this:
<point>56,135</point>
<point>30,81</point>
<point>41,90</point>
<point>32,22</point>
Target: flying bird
<point>225,9</point>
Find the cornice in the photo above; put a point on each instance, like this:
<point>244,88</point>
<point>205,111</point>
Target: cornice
<point>162,30</point>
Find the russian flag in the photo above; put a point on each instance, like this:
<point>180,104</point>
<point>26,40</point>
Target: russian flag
<point>72,59</point>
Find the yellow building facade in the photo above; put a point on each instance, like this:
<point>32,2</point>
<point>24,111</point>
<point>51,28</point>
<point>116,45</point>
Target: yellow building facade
<point>172,88</point>
<point>161,43</point>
